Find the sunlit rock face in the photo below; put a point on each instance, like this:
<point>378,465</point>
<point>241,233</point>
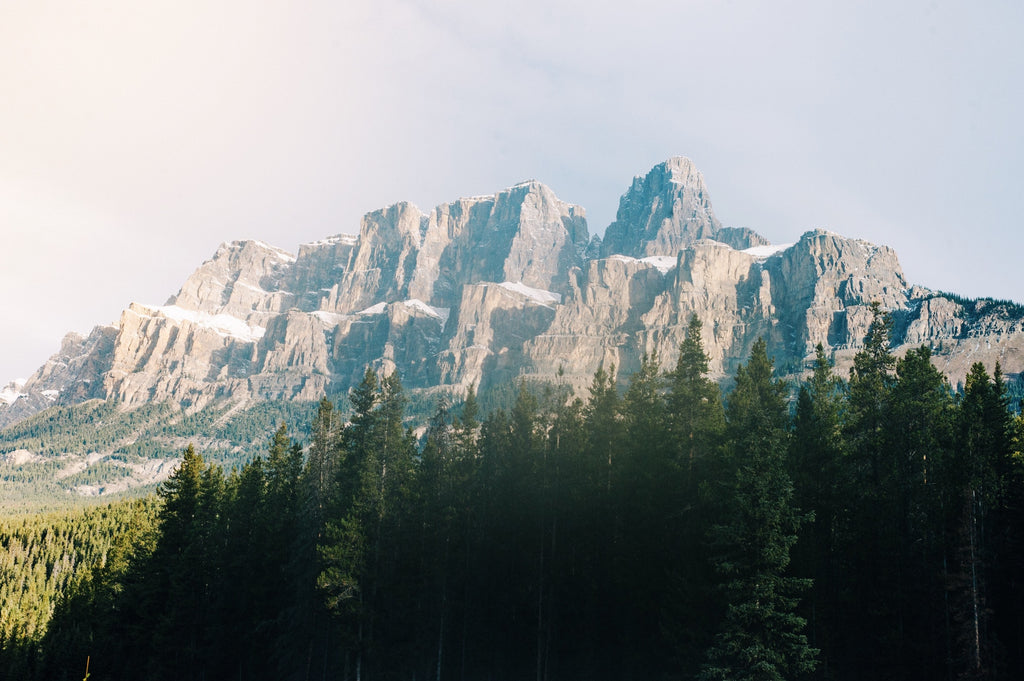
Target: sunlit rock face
<point>667,210</point>
<point>483,290</point>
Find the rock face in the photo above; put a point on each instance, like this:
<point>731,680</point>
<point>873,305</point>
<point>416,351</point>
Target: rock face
<point>74,374</point>
<point>666,211</point>
<point>485,289</point>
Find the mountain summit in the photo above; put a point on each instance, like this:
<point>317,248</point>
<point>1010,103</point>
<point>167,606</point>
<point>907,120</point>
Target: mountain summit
<point>667,210</point>
<point>486,289</point>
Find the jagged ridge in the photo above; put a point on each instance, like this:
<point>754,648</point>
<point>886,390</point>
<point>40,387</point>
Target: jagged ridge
<point>484,289</point>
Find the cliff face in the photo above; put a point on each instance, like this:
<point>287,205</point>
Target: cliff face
<point>667,210</point>
<point>482,290</point>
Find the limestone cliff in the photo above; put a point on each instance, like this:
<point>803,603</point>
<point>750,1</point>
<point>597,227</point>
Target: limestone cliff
<point>485,289</point>
<point>667,210</point>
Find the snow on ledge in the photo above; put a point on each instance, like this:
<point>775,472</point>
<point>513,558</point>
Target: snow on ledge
<point>350,239</point>
<point>222,324</point>
<point>534,294</point>
<point>279,252</point>
<point>328,318</point>
<point>766,251</point>
<point>374,309</point>
<point>436,312</point>
<point>663,263</point>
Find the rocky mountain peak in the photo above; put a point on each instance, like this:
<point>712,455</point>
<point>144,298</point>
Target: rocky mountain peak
<point>667,210</point>
<point>521,234</point>
<point>237,280</point>
<point>486,289</point>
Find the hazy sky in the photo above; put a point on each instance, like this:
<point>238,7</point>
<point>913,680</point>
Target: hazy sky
<point>137,136</point>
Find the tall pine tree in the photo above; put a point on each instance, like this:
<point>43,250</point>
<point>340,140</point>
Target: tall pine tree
<point>761,637</point>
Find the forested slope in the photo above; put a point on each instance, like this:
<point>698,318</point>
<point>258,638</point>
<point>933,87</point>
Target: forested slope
<point>868,527</point>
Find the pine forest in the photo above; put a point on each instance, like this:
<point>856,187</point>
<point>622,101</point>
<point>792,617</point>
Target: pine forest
<point>868,526</point>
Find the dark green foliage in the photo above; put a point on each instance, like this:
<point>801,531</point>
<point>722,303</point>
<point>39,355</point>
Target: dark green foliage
<point>982,482</point>
<point>52,561</point>
<point>655,534</point>
<point>696,420</point>
<point>974,308</point>
<point>90,426</point>
<point>762,636</point>
<point>125,437</point>
<point>817,467</point>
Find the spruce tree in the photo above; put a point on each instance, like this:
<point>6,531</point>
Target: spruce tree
<point>870,577</point>
<point>920,434</point>
<point>977,482</point>
<point>643,499</point>
<point>695,424</point>
<point>179,580</point>
<point>694,406</point>
<point>761,637</point>
<point>604,427</point>
<point>820,483</point>
<point>362,554</point>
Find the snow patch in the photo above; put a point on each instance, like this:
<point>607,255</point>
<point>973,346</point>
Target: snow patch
<point>374,309</point>
<point>51,394</point>
<point>436,312</point>
<point>329,318</point>
<point>535,294</point>
<point>766,251</point>
<point>251,287</point>
<point>663,263</point>
<point>12,391</point>
<point>280,253</point>
<point>350,239</point>
<point>222,324</point>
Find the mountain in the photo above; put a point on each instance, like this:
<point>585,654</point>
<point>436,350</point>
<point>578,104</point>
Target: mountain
<point>486,289</point>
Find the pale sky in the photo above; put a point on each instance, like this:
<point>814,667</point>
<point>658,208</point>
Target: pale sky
<point>137,136</point>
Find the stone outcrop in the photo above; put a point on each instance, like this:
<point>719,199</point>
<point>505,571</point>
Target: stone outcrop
<point>486,289</point>
<point>74,374</point>
<point>667,210</point>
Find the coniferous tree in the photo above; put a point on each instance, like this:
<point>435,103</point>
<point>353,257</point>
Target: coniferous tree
<point>694,407</point>
<point>601,526</point>
<point>242,537</point>
<point>1007,577</point>
<point>309,623</point>
<point>494,583</point>
<point>279,518</point>
<point>565,481</point>
<point>180,584</point>
<point>604,426</point>
<point>871,382</point>
<point>761,636</point>
<point>869,576</point>
<point>438,498</point>
<point>921,428</point>
<point>820,485</point>
<point>644,504</point>
<point>562,539</point>
<point>343,552</point>
<point>695,424</point>
<point>980,468</point>
<point>320,472</point>
<point>362,554</point>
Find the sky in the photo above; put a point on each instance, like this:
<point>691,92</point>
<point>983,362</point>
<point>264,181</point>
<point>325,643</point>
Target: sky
<point>135,137</point>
